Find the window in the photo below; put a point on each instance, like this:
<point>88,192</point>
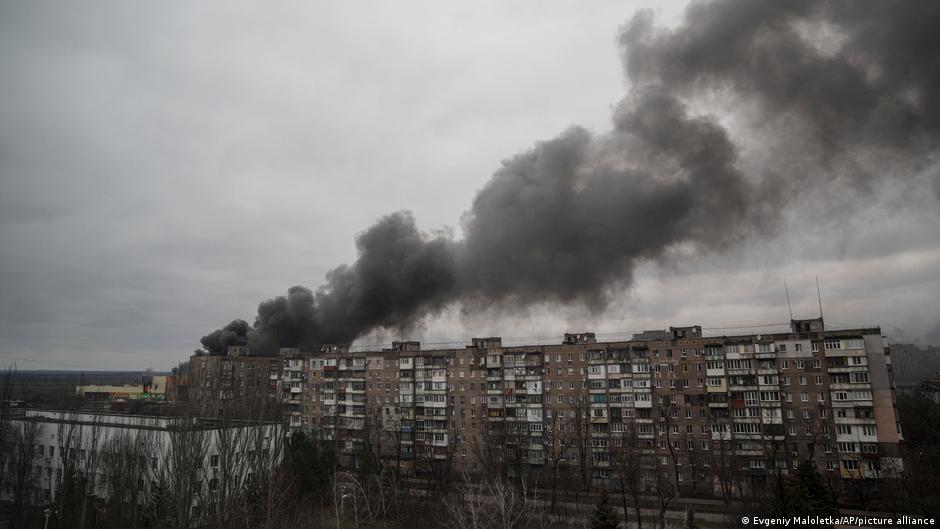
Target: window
<point>750,398</point>
<point>769,395</point>
<point>854,343</point>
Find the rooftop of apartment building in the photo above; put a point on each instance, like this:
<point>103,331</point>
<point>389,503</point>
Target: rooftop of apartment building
<point>691,335</point>
<point>132,421</point>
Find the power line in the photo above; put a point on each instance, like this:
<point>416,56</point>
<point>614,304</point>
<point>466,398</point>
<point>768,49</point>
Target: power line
<point>49,362</point>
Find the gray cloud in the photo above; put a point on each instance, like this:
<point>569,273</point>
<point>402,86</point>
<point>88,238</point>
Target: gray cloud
<point>570,220</point>
<point>162,169</point>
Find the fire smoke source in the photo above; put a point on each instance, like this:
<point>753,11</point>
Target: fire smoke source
<point>839,93</point>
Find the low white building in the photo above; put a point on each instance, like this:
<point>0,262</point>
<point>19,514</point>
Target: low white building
<point>210,460</point>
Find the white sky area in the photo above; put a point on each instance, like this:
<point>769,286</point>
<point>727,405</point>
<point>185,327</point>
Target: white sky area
<point>166,166</point>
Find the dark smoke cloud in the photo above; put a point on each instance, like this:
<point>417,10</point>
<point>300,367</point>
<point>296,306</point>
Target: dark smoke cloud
<point>400,274</point>
<point>838,92</point>
<point>569,220</point>
<point>858,80</point>
<point>235,333</point>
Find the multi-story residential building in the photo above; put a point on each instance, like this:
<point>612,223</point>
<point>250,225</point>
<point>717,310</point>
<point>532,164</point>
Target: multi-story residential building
<point>716,413</point>
<point>234,377</point>
<point>128,455</point>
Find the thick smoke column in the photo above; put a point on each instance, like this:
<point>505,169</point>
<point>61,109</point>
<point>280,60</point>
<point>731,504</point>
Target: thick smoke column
<point>235,333</point>
<point>831,93</point>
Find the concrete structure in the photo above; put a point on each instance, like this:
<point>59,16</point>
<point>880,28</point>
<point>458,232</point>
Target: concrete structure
<point>704,408</point>
<point>151,387</point>
<point>237,376</point>
<point>931,389</point>
<point>98,444</point>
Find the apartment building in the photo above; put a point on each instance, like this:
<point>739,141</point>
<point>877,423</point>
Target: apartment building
<point>717,412</point>
<point>233,378</point>
<point>128,455</point>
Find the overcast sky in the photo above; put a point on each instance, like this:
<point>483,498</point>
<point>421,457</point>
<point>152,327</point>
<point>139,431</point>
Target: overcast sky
<point>166,166</point>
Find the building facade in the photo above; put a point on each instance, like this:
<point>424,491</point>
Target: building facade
<point>716,413</point>
<point>127,456</point>
<point>233,378</point>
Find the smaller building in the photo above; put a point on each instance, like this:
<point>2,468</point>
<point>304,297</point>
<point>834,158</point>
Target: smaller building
<point>150,388</point>
<point>103,444</point>
<point>930,389</point>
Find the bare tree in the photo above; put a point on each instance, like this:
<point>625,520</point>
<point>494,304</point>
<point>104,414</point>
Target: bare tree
<point>627,463</point>
<point>580,424</point>
<point>178,494</point>
<point>7,413</point>
<point>24,475</point>
<point>666,491</point>
<point>556,441</point>
<point>125,473</point>
<point>728,463</point>
<point>666,411</point>
<point>493,504</point>
<point>90,440</point>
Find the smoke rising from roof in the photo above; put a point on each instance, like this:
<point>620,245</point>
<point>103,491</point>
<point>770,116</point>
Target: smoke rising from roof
<point>835,93</point>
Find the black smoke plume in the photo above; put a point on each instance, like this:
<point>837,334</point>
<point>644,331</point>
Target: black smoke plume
<point>829,95</point>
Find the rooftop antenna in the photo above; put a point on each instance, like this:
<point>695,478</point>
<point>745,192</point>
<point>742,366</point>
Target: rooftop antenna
<point>819,298</point>
<point>785,289</point>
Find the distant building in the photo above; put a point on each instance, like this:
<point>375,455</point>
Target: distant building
<point>152,387</point>
<point>931,389</point>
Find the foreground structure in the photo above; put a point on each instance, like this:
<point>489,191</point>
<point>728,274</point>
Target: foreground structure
<point>189,465</point>
<point>713,414</point>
